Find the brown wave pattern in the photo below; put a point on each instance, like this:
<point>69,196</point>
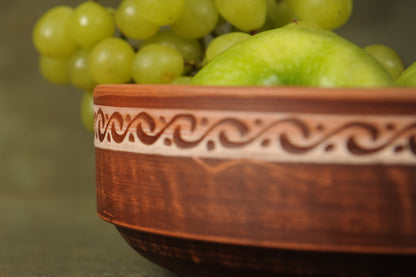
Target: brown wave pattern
<point>114,125</point>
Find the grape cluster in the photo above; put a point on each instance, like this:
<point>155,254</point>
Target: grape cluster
<point>160,41</point>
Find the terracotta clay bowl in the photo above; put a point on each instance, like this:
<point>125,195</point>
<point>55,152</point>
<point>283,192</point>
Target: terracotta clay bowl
<point>216,181</point>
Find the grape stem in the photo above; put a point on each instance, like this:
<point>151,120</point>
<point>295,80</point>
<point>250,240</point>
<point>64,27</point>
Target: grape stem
<point>194,67</point>
<point>214,34</point>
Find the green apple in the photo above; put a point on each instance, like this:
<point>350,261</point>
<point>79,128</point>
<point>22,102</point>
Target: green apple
<point>297,54</point>
<point>408,77</point>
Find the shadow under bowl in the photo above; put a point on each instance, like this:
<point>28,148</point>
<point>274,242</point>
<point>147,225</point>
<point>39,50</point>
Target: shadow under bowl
<point>223,181</point>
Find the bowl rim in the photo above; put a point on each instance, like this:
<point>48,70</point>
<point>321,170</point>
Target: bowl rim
<point>398,94</point>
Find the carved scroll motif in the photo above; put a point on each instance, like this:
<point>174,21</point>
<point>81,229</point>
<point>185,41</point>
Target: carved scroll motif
<point>310,138</point>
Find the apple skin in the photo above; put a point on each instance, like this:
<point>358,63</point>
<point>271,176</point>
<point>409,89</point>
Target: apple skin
<point>298,54</point>
<point>408,77</point>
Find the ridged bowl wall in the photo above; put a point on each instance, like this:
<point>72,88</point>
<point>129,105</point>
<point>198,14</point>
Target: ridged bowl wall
<point>248,181</point>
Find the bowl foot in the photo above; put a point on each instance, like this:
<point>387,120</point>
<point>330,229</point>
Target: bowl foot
<point>201,258</point>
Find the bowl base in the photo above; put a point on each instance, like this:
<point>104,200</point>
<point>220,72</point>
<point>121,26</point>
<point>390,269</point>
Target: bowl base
<point>201,258</point>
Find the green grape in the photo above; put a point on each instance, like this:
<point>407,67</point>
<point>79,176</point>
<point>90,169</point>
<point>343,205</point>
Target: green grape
<point>87,111</point>
<point>161,12</point>
<point>408,77</point>
<point>329,14</point>
<point>132,23</point>
<point>157,64</point>
<point>268,25</point>
<point>245,15</point>
<point>190,49</point>
<point>199,18</point>
<point>79,72</point>
<point>51,35</point>
<point>91,23</point>
<point>279,13</point>
<point>55,70</point>
<point>222,43</point>
<point>111,11</point>
<point>182,80</point>
<point>388,58</point>
<point>110,61</point>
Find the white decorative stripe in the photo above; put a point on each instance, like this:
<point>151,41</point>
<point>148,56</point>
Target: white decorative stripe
<point>276,137</point>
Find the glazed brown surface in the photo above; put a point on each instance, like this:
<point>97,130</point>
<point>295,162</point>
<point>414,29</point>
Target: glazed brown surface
<point>285,99</point>
<point>294,174</point>
<point>296,206</point>
<point>216,259</point>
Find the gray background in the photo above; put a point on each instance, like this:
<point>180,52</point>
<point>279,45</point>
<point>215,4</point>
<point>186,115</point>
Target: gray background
<point>48,223</point>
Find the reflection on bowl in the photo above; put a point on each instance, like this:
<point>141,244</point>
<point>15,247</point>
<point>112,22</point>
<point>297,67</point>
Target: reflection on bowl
<point>248,181</point>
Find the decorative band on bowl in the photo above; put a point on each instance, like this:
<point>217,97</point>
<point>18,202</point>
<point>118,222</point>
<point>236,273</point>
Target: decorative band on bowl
<point>266,136</point>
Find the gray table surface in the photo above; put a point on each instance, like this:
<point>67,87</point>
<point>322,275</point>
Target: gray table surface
<point>63,236</point>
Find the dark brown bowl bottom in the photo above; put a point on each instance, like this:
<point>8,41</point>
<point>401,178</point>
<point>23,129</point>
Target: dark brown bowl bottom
<point>200,258</point>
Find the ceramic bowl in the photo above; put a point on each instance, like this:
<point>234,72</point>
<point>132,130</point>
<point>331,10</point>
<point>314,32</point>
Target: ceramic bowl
<point>211,181</point>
